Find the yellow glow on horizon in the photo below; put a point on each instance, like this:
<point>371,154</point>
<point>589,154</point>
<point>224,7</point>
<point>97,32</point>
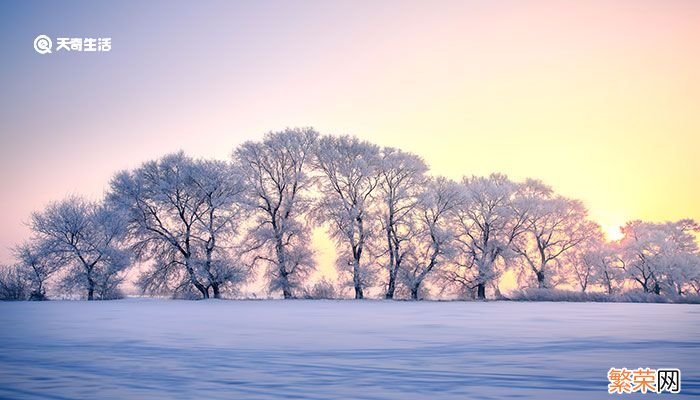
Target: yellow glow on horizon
<point>613,233</point>
<point>599,100</point>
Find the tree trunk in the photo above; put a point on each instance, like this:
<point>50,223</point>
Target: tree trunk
<point>357,256</point>
<point>392,287</point>
<point>645,284</point>
<point>356,275</point>
<point>484,270</point>
<point>91,287</point>
<point>608,283</point>
<point>358,292</point>
<point>414,291</point>
<point>286,289</point>
<point>282,266</point>
<point>481,291</point>
<point>211,242</point>
<point>202,290</point>
<point>497,291</point>
<point>540,279</point>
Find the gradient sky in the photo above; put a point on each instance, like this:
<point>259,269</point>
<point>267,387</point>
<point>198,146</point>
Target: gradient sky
<point>600,100</point>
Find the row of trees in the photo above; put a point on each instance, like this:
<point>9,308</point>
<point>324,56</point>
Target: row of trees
<point>202,228</point>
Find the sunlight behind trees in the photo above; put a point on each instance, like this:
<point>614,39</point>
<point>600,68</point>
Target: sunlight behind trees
<point>299,214</point>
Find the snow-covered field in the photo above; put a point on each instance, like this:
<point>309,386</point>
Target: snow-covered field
<point>151,349</point>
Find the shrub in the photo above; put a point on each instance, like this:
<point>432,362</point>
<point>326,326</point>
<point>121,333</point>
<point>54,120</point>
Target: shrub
<point>634,296</point>
<point>323,289</point>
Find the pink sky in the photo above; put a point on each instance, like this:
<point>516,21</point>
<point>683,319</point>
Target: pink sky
<point>599,99</point>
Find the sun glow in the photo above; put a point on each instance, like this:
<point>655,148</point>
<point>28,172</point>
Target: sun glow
<point>613,232</point>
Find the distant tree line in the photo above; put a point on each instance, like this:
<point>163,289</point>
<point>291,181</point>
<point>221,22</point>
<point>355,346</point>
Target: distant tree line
<point>198,228</point>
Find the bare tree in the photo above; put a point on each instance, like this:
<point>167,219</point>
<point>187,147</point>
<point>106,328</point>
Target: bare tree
<point>401,178</point>
<point>277,183</point>
<point>433,240</point>
<point>85,237</point>
<point>350,170</point>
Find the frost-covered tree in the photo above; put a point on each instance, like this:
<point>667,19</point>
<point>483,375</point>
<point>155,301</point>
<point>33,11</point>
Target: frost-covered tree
<point>432,239</point>
<point>179,213</point>
<point>350,175</point>
<point>682,273</point>
<point>401,179</point>
<point>555,225</point>
<point>216,227</point>
<point>38,263</point>
<point>84,237</point>
<point>681,258</point>
<point>601,265</point>
<point>277,187</point>
<point>489,218</point>
<point>661,257</point>
<point>583,264</point>
<point>14,283</point>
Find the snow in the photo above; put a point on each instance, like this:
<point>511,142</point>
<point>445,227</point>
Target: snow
<point>146,348</point>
